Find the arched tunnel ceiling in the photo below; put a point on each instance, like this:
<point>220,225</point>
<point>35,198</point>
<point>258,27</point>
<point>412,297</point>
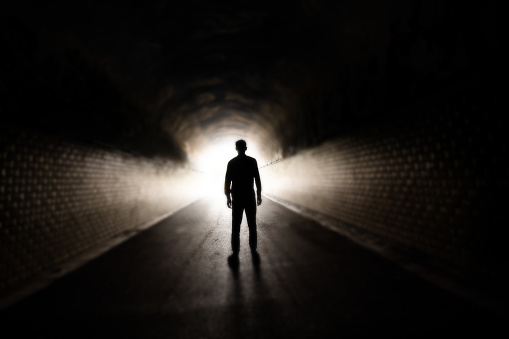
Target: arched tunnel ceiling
<point>165,79</point>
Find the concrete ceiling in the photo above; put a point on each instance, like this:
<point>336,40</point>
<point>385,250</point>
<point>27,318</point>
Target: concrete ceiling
<point>166,79</point>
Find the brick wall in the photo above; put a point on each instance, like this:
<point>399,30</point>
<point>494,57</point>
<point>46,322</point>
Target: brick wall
<point>58,199</point>
<point>432,183</point>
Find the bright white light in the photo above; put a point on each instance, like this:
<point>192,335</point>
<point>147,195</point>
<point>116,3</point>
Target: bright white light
<point>214,159</point>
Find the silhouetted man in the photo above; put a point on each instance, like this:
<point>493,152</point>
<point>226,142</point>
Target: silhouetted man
<point>241,172</point>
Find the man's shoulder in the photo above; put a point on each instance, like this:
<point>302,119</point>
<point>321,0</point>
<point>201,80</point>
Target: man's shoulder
<point>242,160</point>
<point>249,159</point>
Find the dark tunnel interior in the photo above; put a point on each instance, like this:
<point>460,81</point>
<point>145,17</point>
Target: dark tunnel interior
<point>163,79</point>
<point>385,118</point>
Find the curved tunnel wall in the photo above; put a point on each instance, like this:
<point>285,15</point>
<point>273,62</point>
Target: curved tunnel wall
<point>431,187</point>
<point>59,198</point>
<point>430,184</point>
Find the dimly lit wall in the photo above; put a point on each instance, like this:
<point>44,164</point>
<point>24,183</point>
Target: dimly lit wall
<point>431,185</point>
<point>58,199</point>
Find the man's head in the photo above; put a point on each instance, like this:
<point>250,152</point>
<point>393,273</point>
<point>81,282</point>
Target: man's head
<point>240,146</point>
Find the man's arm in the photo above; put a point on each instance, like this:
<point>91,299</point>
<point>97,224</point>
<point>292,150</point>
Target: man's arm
<point>227,186</point>
<point>258,183</point>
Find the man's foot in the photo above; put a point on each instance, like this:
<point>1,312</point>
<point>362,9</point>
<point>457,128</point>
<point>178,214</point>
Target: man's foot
<point>255,257</point>
<point>233,261</point>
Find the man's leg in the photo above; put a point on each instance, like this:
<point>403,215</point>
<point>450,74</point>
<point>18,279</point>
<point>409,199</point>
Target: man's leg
<point>251,223</point>
<point>237,211</point>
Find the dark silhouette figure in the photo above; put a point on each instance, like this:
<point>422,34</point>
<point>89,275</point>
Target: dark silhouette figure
<point>241,173</point>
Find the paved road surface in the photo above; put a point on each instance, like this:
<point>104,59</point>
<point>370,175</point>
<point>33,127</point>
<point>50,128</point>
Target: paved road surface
<point>173,281</point>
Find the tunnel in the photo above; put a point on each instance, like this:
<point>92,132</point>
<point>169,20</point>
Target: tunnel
<point>378,130</point>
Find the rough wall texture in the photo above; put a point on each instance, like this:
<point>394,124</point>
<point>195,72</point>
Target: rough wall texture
<point>58,199</point>
<point>434,185</point>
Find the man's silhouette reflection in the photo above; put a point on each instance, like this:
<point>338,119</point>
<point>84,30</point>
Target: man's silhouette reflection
<point>241,172</point>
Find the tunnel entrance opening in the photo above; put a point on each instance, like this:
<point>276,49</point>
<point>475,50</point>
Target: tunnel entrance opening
<point>212,158</point>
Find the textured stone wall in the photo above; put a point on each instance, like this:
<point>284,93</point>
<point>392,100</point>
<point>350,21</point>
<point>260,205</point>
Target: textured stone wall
<point>58,199</point>
<point>433,183</point>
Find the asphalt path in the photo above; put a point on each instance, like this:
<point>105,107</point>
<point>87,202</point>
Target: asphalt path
<point>173,281</point>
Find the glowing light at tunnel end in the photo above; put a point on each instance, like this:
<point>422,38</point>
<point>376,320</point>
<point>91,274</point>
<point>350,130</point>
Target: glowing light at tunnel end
<point>213,160</point>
